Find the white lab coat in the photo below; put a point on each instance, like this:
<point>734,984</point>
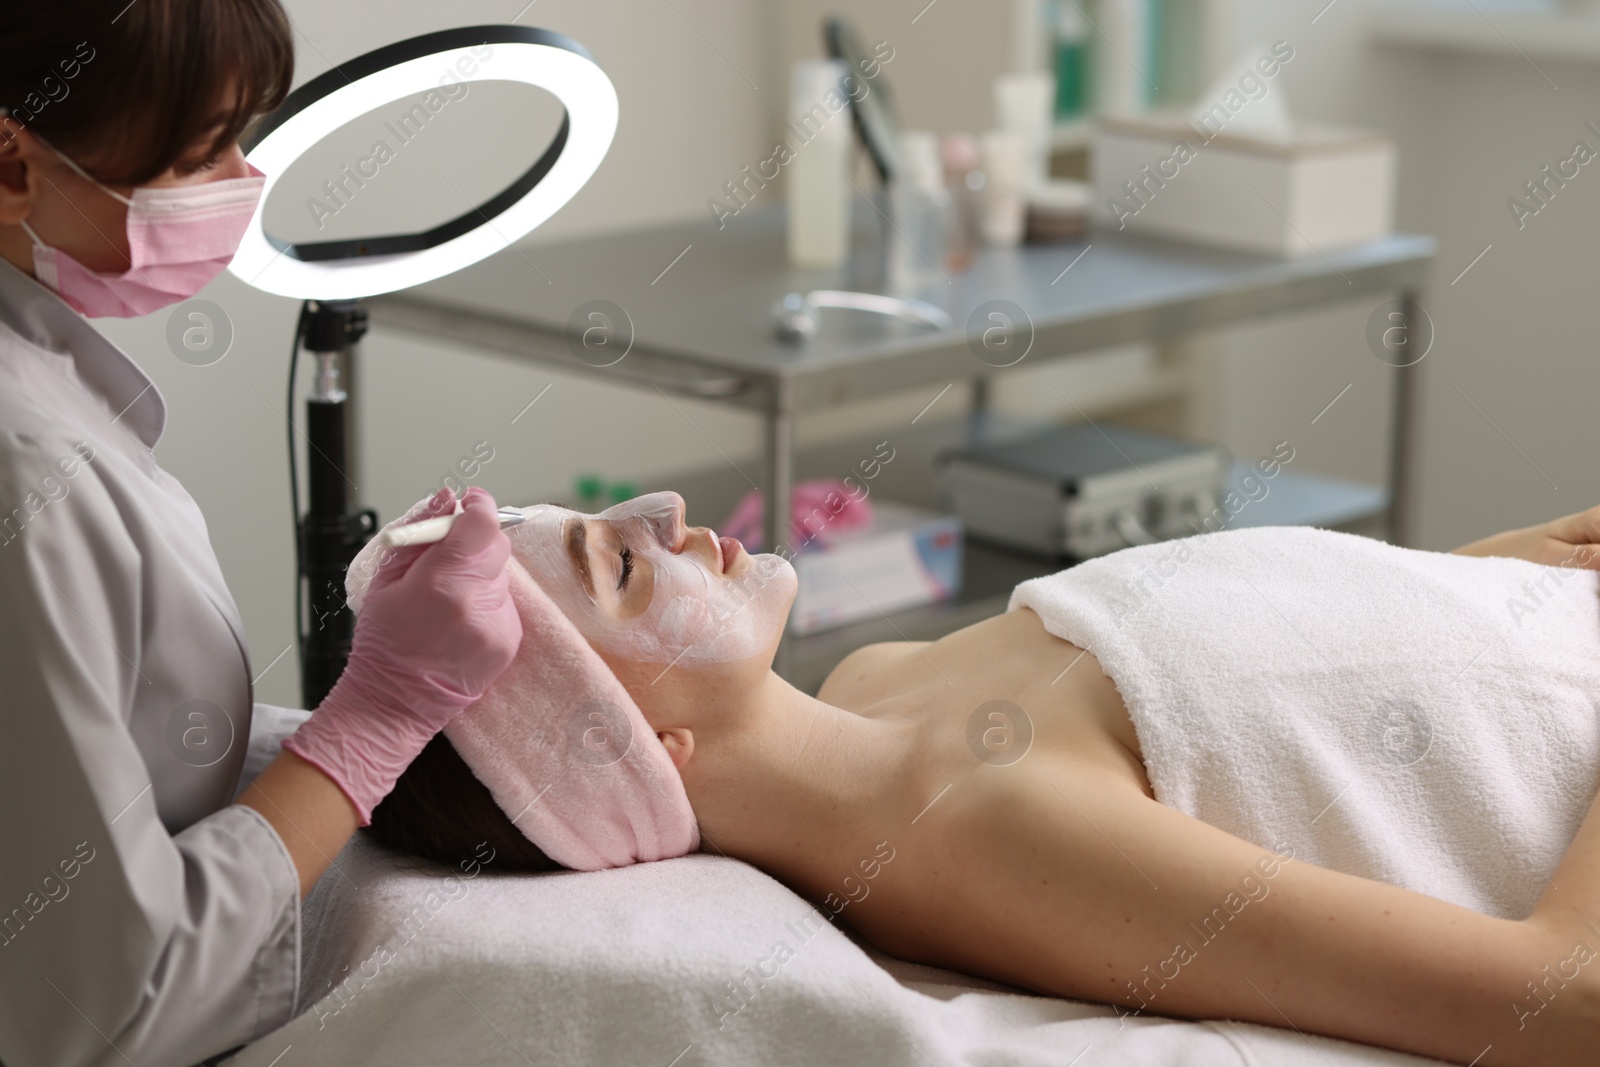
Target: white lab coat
<point>143,917</point>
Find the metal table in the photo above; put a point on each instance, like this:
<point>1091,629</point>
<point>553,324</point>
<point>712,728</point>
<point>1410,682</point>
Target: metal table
<point>690,305</point>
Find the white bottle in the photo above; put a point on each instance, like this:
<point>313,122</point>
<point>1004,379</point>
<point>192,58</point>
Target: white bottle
<point>819,190</point>
<point>1003,158</point>
<point>1121,57</point>
<point>1024,104</point>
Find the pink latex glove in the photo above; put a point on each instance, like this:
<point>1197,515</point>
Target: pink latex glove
<point>436,627</point>
<point>817,507</point>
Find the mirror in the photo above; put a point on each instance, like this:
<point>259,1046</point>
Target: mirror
<point>873,111</point>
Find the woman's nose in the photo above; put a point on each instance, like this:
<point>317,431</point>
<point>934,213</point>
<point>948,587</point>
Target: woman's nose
<point>662,513</point>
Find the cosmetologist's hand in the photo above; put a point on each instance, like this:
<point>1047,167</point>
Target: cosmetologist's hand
<point>436,627</point>
<point>1570,541</point>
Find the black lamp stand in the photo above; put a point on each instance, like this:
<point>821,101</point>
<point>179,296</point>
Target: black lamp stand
<point>330,532</point>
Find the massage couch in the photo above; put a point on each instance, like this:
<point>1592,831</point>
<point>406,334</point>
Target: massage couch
<point>703,959</point>
<point>408,963</point>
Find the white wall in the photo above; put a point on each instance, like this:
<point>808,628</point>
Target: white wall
<point>1507,415</point>
<point>1514,334</point>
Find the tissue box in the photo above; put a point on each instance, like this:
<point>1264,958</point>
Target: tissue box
<point>907,557</point>
<point>1321,188</point>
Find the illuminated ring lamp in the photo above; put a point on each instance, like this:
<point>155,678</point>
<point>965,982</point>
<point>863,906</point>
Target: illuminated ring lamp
<point>332,276</point>
<point>341,270</point>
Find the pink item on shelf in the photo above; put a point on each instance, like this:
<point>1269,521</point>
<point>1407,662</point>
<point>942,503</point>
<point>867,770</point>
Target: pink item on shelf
<point>563,748</point>
<point>817,507</point>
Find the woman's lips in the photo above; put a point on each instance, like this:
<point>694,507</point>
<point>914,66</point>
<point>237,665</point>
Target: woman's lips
<point>730,549</point>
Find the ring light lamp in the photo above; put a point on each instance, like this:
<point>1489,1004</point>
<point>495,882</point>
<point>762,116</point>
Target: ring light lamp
<point>332,277</point>
<point>350,269</point>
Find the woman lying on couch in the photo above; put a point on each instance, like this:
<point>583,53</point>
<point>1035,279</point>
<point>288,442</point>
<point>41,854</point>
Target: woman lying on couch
<point>1282,775</point>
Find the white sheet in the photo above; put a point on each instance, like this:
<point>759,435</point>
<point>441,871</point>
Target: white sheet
<point>627,967</point>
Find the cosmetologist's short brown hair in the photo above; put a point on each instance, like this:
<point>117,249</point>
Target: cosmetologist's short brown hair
<point>128,88</point>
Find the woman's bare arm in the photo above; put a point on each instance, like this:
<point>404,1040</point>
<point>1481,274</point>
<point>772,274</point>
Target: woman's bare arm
<point>1570,541</point>
<point>311,814</point>
<point>1569,908</point>
<point>1077,884</point>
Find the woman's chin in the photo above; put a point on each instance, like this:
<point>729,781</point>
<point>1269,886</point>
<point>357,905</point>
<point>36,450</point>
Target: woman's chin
<point>769,566</point>
<point>767,584</point>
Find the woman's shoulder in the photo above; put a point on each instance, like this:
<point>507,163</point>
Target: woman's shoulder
<point>39,392</point>
<point>869,664</point>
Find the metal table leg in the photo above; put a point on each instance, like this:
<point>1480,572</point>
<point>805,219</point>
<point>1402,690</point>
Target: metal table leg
<point>1402,434</point>
<point>778,479</point>
<point>980,411</point>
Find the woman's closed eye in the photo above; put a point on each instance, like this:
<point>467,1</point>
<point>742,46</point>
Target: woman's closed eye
<point>635,583</point>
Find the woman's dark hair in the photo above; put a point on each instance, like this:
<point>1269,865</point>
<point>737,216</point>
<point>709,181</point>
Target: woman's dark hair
<point>133,86</point>
<point>440,811</point>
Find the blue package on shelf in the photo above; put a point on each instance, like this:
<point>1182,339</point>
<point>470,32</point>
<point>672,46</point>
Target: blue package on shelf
<point>906,558</point>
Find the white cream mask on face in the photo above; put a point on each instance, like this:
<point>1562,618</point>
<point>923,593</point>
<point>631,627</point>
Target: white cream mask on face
<point>695,613</point>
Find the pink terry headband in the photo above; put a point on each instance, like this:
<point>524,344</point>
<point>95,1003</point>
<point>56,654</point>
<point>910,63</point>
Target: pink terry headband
<point>563,748</point>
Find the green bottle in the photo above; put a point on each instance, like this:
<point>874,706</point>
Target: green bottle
<point>589,488</point>
<point>1069,48</point>
<point>621,491</point>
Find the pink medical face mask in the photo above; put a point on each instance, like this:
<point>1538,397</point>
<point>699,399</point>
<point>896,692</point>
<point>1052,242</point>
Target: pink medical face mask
<point>179,238</point>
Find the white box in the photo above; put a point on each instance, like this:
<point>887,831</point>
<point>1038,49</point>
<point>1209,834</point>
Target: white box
<point>907,557</point>
<point>1326,187</point>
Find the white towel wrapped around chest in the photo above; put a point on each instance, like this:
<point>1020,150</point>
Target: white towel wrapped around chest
<point>1419,718</point>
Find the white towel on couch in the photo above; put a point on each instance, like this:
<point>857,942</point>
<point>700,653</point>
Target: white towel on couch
<point>408,964</point>
<point>1419,718</point>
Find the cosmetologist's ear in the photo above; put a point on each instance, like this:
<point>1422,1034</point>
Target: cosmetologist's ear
<point>679,743</point>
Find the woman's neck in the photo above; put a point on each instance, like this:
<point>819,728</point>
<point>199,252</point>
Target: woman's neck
<point>799,786</point>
